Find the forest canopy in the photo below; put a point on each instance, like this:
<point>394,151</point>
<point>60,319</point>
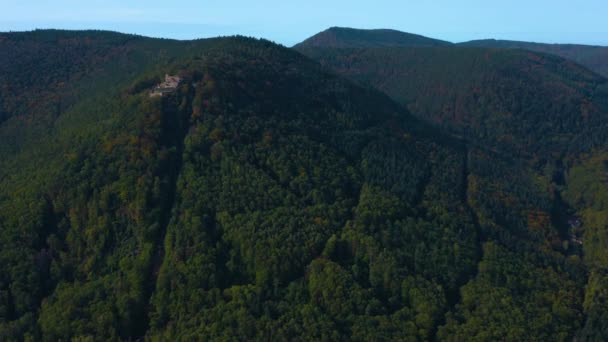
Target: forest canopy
<point>267,198</point>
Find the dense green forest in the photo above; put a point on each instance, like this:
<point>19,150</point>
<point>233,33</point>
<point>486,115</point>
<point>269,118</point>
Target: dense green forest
<point>269,199</point>
<point>525,115</point>
<point>516,101</point>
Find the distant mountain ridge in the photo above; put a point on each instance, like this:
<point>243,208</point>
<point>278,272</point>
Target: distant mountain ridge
<point>594,57</point>
<point>513,99</point>
<point>341,37</point>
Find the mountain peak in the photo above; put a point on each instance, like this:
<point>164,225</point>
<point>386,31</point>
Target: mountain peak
<point>344,37</point>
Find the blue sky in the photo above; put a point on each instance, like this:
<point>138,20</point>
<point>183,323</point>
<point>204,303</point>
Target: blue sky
<point>288,22</point>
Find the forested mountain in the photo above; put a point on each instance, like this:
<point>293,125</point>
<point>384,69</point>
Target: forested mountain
<point>269,199</point>
<point>343,37</point>
<point>593,57</point>
<point>525,107</point>
<point>230,209</point>
<point>521,102</point>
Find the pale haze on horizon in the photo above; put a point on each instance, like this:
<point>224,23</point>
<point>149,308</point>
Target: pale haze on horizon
<point>556,21</point>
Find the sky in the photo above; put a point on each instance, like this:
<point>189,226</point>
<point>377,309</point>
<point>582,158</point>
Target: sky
<point>289,22</point>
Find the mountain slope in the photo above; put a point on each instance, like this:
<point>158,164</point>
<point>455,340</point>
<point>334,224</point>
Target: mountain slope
<point>341,37</point>
<point>44,73</point>
<point>593,57</point>
<point>267,199</point>
<point>520,101</point>
<point>248,185</point>
<point>522,108</point>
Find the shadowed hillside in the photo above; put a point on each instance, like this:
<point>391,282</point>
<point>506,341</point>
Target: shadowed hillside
<point>520,101</point>
<point>593,57</point>
<point>518,106</point>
